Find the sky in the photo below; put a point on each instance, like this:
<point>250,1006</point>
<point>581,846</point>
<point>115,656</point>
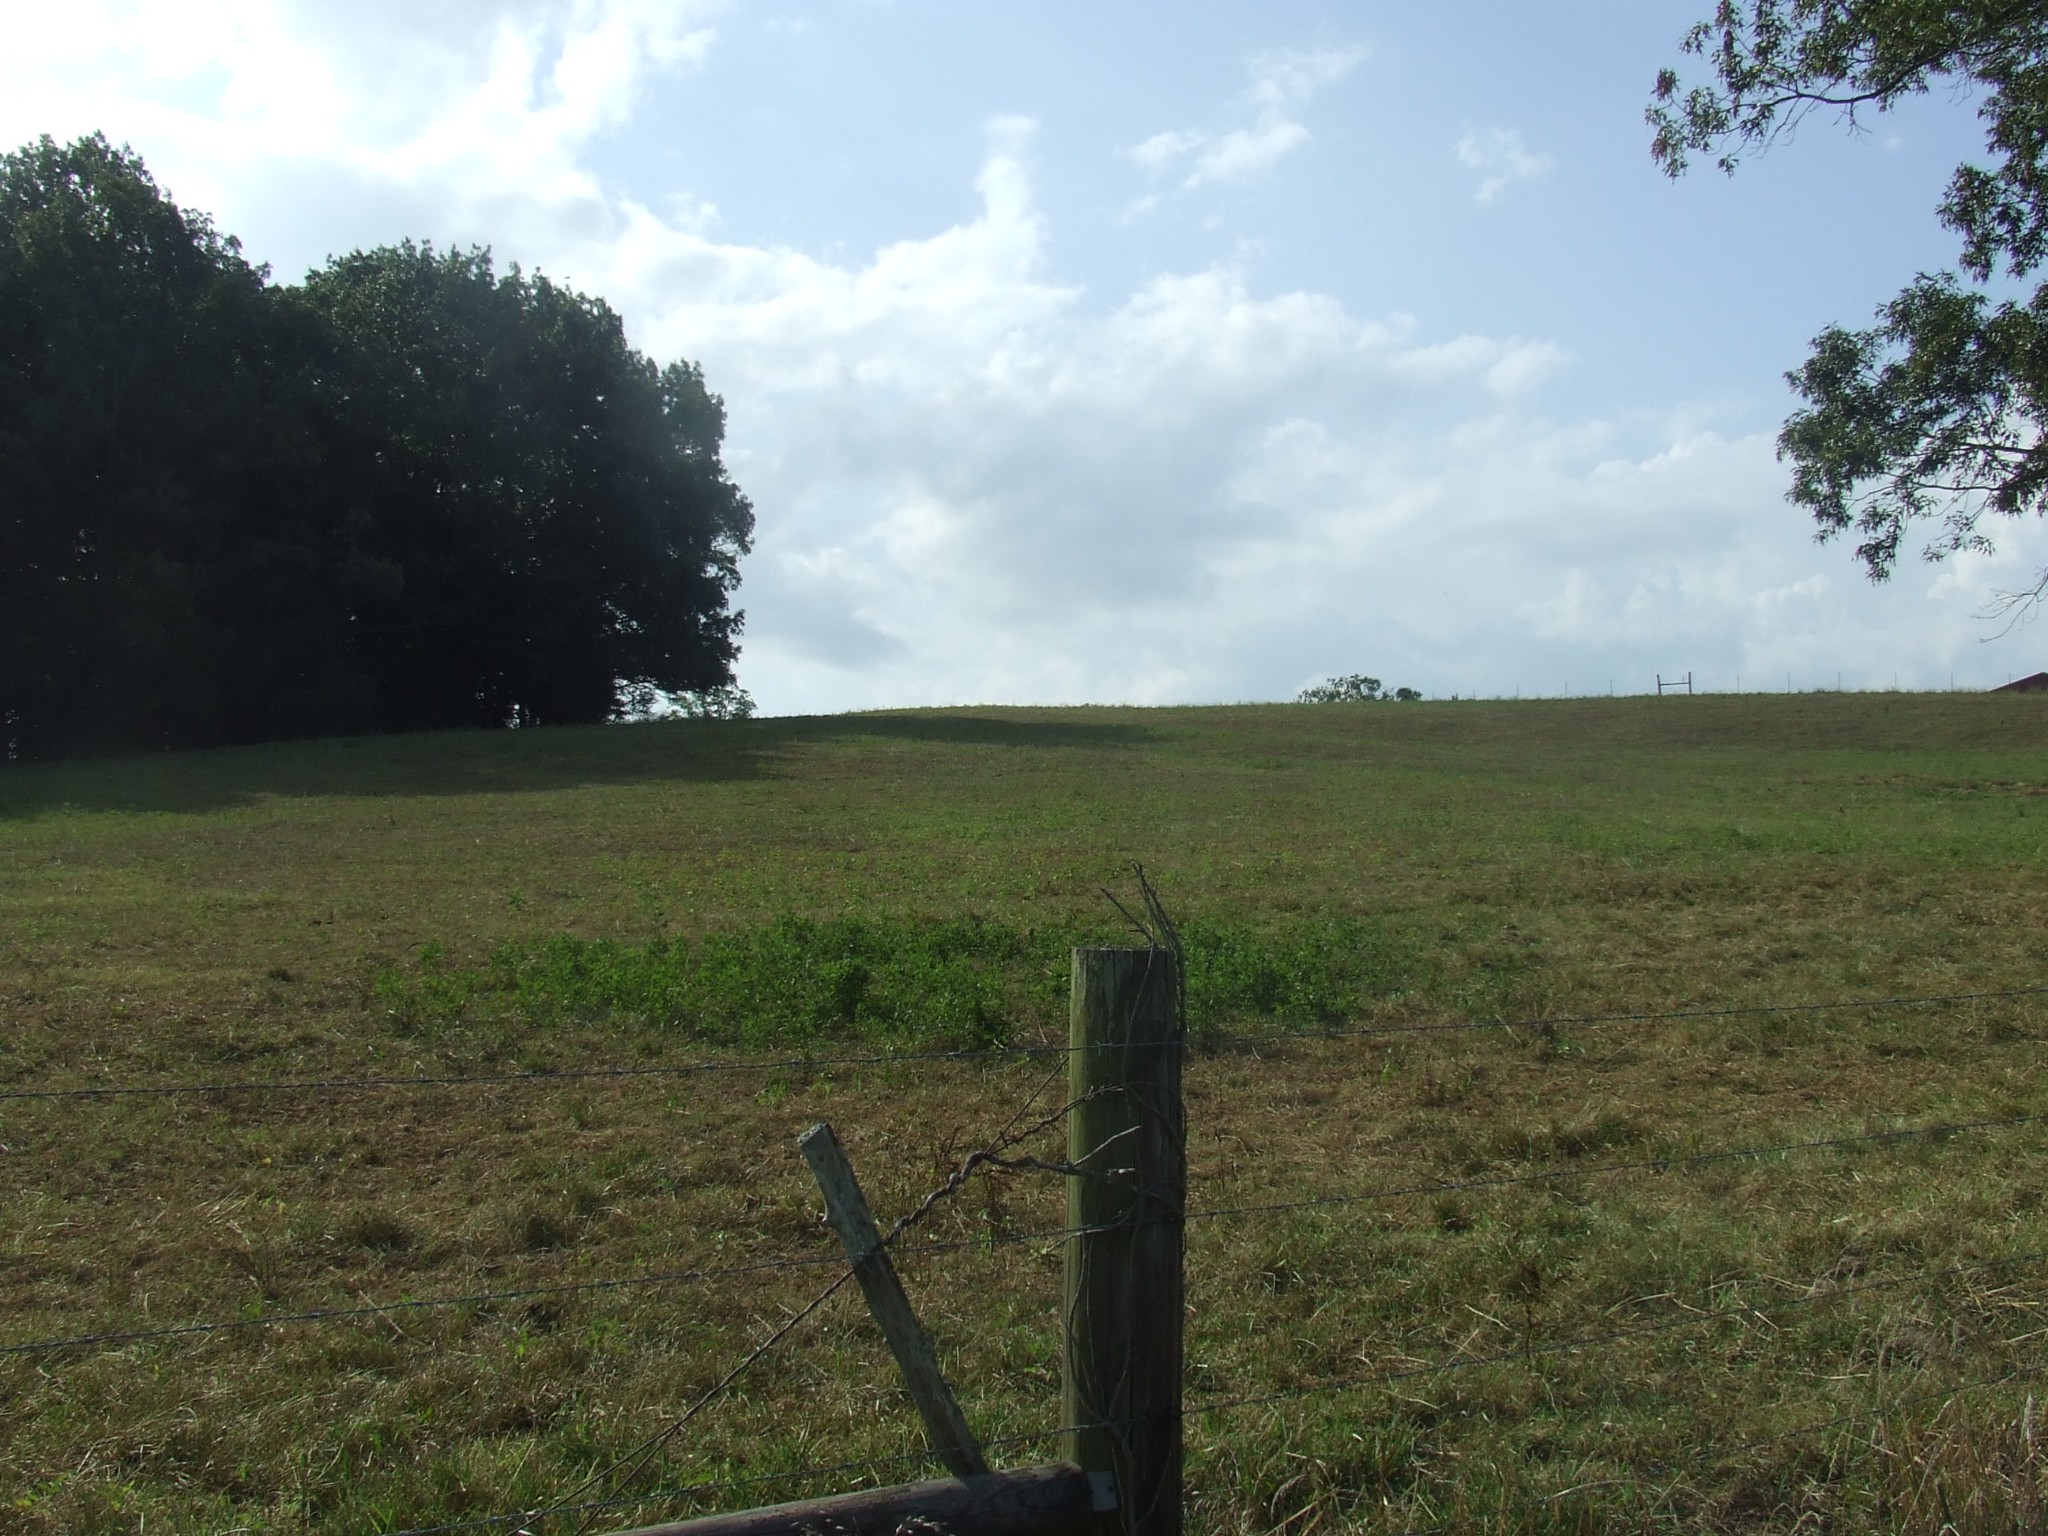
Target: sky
<point>1132,351</point>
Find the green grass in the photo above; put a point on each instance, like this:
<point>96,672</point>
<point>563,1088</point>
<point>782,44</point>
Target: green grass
<point>653,895</point>
<point>930,983</point>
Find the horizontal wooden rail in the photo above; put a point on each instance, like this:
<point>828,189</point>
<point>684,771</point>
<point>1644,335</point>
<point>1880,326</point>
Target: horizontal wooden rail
<point>1059,1500</point>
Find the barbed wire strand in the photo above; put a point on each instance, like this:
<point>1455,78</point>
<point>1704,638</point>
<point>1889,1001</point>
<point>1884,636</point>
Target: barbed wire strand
<point>641,1454</point>
<point>540,1076</point>
<point>1666,1015</point>
<point>998,1239</point>
<point>1875,1410</point>
<point>1230,1404</point>
<point>1529,1352</point>
<point>1950,1392</point>
<point>1010,1136</point>
<point>567,1287</point>
<point>536,1076</point>
<point>1525,1352</point>
<point>1635,1165</point>
<point>415,1304</point>
<point>1592,1340</point>
<point>876,1463</point>
<point>988,1155</point>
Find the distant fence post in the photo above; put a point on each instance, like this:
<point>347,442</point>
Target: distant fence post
<point>1123,1309</point>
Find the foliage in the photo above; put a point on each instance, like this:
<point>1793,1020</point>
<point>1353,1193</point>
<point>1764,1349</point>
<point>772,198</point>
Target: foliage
<point>408,493</point>
<point>1356,688</point>
<point>158,470</point>
<point>1938,410</point>
<point>643,701</point>
<point>553,502</point>
<point>793,981</point>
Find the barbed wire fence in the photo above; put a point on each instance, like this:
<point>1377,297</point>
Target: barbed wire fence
<point>608,1489</point>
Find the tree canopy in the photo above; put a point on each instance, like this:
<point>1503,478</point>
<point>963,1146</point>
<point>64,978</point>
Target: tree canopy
<point>1355,688</point>
<point>1937,412</point>
<point>411,492</point>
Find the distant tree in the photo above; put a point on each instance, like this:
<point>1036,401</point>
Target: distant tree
<point>1357,688</point>
<point>1939,410</point>
<point>409,493</point>
<point>647,703</point>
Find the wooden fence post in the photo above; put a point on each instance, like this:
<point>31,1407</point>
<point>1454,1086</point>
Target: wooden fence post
<point>847,1209</point>
<point>1123,1310</point>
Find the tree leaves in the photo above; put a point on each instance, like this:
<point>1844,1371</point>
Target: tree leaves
<point>1937,411</point>
<point>410,493</point>
<point>1356,688</point>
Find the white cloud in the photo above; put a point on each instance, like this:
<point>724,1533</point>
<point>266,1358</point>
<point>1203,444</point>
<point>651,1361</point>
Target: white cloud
<point>1287,77</point>
<point>1162,150</point>
<point>1502,159</point>
<point>977,481</point>
<point>1282,84</point>
<point>477,111</point>
<point>1247,152</point>
<point>998,489</point>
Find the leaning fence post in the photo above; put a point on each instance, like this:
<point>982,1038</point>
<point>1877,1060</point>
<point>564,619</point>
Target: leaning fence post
<point>847,1209</point>
<point>1126,1203</point>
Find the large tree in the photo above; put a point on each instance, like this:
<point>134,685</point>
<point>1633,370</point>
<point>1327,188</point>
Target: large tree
<point>153,464</point>
<point>408,493</point>
<point>551,505</point>
<point>1937,412</point>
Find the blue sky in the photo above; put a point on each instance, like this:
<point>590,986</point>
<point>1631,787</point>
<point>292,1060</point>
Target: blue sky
<point>1135,352</point>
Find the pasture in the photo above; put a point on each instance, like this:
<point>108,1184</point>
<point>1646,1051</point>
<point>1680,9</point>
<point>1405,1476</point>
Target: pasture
<point>1543,1334</point>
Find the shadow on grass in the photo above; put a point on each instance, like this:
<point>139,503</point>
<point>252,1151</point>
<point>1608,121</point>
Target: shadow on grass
<point>509,762</point>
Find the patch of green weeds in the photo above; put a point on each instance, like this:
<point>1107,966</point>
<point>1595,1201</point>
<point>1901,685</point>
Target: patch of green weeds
<point>1316,970</point>
<point>959,983</point>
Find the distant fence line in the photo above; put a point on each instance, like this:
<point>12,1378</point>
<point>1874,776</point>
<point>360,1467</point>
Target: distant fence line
<point>1735,684</point>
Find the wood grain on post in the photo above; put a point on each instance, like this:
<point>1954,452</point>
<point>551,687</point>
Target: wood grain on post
<point>945,1425</point>
<point>1031,1501</point>
<point>1127,1204</point>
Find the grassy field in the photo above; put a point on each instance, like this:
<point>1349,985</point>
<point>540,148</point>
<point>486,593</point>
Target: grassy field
<point>659,895</point>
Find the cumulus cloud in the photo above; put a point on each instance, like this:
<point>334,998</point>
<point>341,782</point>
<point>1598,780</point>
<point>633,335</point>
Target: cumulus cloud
<point>1282,84</point>
<point>1501,159</point>
<point>474,111</point>
<point>977,481</point>
<point>980,483</point>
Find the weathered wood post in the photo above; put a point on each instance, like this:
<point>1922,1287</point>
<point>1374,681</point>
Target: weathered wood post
<point>1123,1306</point>
<point>847,1208</point>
